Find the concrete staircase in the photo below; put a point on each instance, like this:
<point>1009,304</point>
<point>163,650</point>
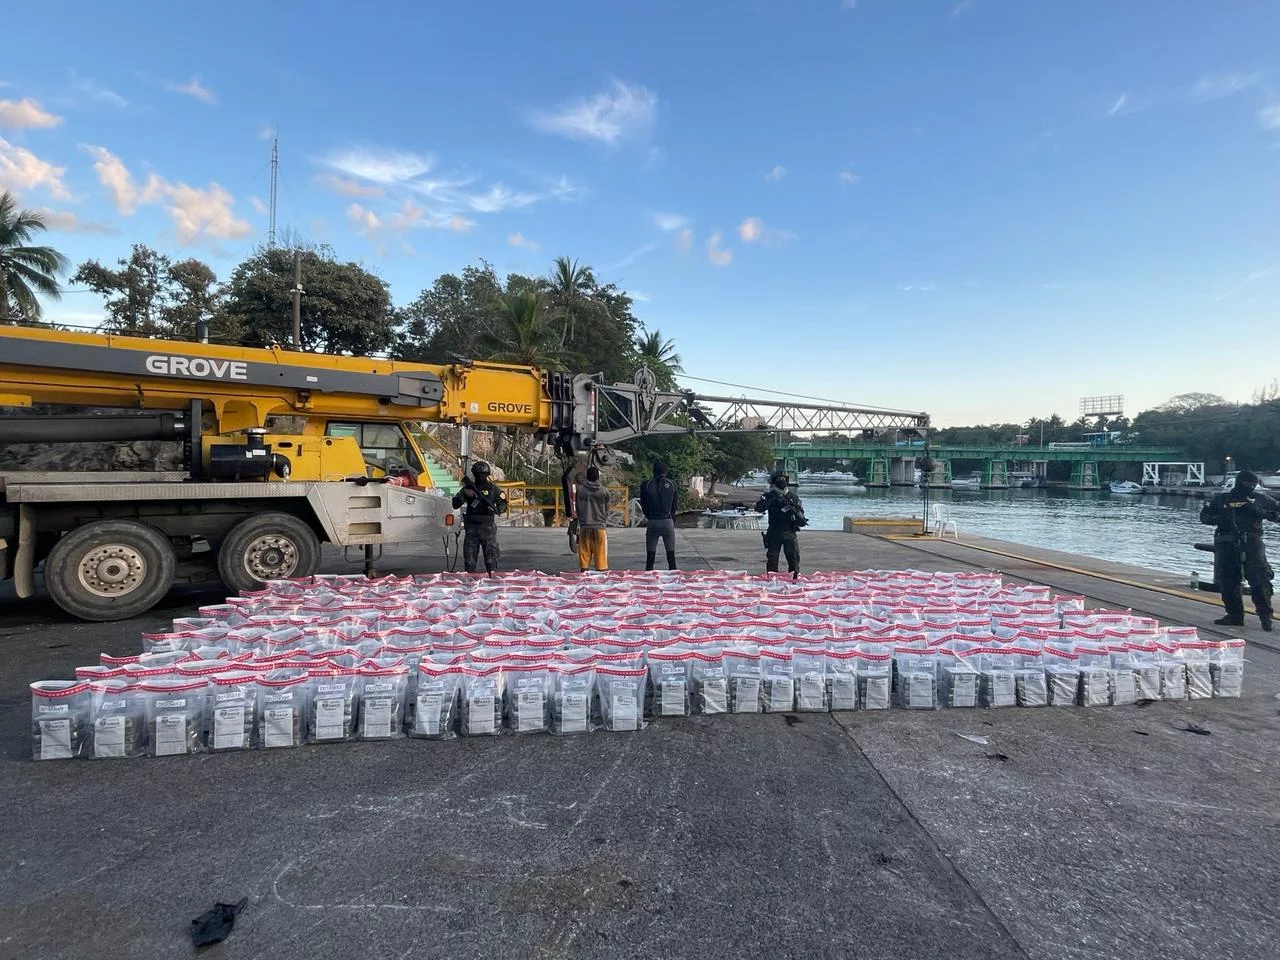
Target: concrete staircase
<point>441,476</point>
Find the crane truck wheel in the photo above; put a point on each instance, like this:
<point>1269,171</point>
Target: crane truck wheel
<point>269,546</point>
<point>110,570</point>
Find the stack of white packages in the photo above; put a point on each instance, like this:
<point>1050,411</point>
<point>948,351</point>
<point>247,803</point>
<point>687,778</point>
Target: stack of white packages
<point>331,659</point>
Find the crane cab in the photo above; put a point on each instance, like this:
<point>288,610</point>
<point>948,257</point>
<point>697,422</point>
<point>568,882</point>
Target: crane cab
<point>386,448</point>
<point>328,450</point>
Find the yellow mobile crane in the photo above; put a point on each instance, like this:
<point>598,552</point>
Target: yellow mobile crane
<point>354,475</point>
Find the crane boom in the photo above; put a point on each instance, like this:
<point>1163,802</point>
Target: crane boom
<point>245,385</point>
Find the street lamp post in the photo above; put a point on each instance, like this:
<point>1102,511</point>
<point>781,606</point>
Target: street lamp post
<point>926,465</point>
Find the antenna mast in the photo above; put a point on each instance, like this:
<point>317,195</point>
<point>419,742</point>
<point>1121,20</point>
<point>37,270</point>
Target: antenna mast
<point>275,167</point>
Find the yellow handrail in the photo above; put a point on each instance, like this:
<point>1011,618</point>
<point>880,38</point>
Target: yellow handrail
<point>454,462</point>
<point>555,506</point>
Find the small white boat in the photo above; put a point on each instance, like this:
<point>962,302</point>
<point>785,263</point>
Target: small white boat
<point>966,483</point>
<point>1020,479</point>
<point>834,477</point>
<point>1125,486</point>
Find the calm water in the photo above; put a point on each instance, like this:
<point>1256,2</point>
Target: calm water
<point>1155,532</point>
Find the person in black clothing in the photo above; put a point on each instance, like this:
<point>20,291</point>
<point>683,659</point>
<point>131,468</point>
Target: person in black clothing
<point>658,499</point>
<point>786,517</point>
<point>1238,549</point>
<point>483,502</point>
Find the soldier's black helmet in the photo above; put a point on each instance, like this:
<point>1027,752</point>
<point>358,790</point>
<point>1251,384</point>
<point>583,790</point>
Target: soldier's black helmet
<point>480,470</point>
<point>779,478</point>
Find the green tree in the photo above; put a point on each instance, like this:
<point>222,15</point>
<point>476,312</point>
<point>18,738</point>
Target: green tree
<point>451,318</point>
<point>605,341</point>
<point>683,453</point>
<point>460,315</point>
<point>25,271</point>
<point>1187,402</point>
<point>524,333</point>
<point>731,456</point>
<point>147,295</point>
<point>659,355</point>
<point>345,308</point>
<point>571,288</point>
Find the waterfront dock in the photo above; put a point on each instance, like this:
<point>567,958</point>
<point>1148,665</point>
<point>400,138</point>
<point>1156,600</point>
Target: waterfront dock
<point>1072,834</point>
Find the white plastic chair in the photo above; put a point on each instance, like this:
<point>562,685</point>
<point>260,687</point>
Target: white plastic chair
<point>939,519</point>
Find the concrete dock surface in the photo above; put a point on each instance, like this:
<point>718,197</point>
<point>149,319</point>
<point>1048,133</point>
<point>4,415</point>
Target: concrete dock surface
<point>1074,834</point>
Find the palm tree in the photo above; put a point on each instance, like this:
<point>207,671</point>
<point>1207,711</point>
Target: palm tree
<point>659,355</point>
<point>25,271</point>
<point>570,285</point>
<point>654,350</point>
<point>525,333</point>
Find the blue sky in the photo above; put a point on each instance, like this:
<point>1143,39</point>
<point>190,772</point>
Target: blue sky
<point>981,208</point>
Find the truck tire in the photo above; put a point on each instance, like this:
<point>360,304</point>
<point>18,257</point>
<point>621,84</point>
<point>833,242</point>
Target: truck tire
<point>269,546</point>
<point>110,570</point>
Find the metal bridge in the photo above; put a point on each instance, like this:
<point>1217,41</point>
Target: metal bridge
<point>896,465</point>
<point>851,450</point>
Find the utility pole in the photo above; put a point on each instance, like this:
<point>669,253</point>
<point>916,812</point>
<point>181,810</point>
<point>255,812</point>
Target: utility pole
<point>275,169</point>
<point>297,299</point>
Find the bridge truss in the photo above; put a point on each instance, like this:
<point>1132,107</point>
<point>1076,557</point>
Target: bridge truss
<point>626,410</point>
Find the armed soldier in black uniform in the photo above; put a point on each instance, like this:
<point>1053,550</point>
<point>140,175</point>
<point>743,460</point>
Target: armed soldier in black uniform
<point>483,501</point>
<point>786,517</point>
<point>1238,549</point>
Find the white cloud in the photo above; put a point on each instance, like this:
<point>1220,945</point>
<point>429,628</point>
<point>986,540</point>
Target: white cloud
<point>348,187</point>
<point>753,230</point>
<point>654,157</point>
<point>115,176</point>
<point>848,178</point>
<point>97,93</point>
<point>498,198</point>
<point>196,212</point>
<point>64,221</point>
<point>364,219</point>
<point>917,287</point>
<point>631,257</point>
<point>520,240</point>
<point>1210,87</point>
<point>25,114</point>
<point>777,173</point>
<point>717,254</point>
<point>669,221</point>
<point>266,132</point>
<point>403,219</point>
<point>1269,117</point>
<point>366,173</point>
<point>684,240</point>
<point>379,166</point>
<point>194,88</point>
<point>962,7</point>
<point>638,296</point>
<point>564,189</point>
<point>22,170</point>
<point>622,112</point>
<point>258,205</point>
<point>1219,85</point>
<point>849,4</point>
<point>1243,284</point>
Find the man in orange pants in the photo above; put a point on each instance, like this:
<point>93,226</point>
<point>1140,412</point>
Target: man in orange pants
<point>592,508</point>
